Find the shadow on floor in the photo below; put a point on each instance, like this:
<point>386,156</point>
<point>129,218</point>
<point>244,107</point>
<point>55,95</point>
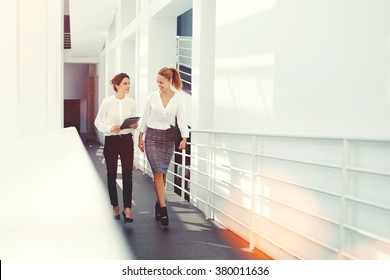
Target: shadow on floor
<point>189,235</point>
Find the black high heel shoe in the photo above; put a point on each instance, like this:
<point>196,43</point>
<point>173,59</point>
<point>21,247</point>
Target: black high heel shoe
<point>125,219</point>
<point>164,216</point>
<point>157,211</point>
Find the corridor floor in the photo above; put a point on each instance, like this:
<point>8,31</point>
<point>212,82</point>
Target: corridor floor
<point>189,236</point>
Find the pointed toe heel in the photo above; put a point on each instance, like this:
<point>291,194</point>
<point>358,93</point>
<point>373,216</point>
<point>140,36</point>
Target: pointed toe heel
<point>125,219</point>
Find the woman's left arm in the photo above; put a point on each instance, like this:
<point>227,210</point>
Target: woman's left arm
<point>182,124</point>
<point>183,143</point>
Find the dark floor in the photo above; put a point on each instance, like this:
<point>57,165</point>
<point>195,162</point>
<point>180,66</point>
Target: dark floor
<point>189,235</point>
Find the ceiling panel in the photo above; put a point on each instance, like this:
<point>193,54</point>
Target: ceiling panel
<point>90,21</point>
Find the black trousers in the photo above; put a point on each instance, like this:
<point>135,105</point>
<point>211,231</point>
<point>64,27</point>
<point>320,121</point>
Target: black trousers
<point>122,146</point>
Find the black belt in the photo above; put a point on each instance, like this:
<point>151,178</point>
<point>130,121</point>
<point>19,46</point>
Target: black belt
<point>120,135</point>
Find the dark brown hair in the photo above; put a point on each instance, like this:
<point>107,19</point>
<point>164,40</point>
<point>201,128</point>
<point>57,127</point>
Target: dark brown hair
<point>172,75</point>
<point>118,78</point>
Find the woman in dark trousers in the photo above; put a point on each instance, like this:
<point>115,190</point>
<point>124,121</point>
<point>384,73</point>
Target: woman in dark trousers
<point>118,142</point>
<point>162,107</point>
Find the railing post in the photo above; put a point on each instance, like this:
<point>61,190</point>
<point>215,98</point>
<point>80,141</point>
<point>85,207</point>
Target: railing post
<point>210,170</point>
<point>177,52</point>
<point>253,195</point>
<point>183,166</point>
<point>144,163</point>
<point>343,194</point>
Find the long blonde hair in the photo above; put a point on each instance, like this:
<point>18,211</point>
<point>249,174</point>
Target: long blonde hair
<point>172,75</point>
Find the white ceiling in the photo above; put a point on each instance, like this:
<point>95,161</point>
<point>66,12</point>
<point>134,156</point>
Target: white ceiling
<point>89,22</point>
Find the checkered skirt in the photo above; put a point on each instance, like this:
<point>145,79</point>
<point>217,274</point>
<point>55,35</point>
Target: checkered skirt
<point>159,148</point>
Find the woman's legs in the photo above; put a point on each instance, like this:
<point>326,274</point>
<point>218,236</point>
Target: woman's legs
<point>116,210</point>
<point>111,158</point>
<point>159,187</point>
<point>127,158</point>
<point>159,150</point>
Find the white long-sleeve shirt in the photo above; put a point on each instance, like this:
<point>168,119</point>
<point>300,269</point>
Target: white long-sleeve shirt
<point>157,117</point>
<point>114,111</point>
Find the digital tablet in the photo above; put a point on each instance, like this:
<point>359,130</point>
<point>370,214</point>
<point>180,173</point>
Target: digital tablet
<point>129,121</point>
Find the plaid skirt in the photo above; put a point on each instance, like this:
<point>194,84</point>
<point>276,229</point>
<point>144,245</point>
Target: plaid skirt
<point>159,148</point>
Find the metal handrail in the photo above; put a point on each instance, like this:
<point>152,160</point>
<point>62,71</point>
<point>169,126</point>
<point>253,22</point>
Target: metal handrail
<point>184,59</point>
<point>344,167</point>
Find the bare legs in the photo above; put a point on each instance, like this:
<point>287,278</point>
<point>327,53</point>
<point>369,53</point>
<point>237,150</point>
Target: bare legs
<point>159,186</point>
<point>159,149</point>
<point>116,210</point>
<point>127,212</point>
<point>161,207</point>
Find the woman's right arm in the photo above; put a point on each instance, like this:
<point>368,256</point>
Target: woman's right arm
<point>141,141</point>
<point>144,120</point>
<point>99,120</point>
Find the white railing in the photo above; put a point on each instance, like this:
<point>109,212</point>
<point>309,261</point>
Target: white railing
<point>329,195</point>
<point>184,60</point>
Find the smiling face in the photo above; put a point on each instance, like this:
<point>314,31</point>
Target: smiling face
<point>163,83</point>
<point>124,86</point>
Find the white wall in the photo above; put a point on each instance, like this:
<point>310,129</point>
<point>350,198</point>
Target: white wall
<point>203,64</point>
<point>32,68</point>
<point>202,103</point>
<point>162,47</point>
<point>9,68</point>
<point>317,67</point>
<point>294,67</point>
<point>127,63</point>
<point>142,51</point>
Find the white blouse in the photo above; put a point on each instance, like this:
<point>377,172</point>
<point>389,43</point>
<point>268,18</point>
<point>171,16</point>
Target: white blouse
<point>114,111</point>
<point>157,117</point>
